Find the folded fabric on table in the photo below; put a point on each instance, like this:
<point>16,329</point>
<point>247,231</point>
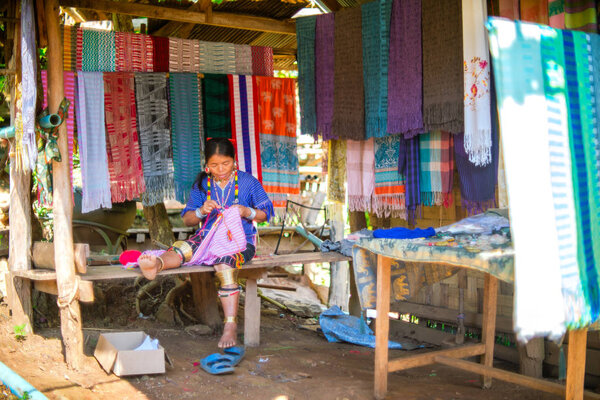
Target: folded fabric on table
<point>403,233</point>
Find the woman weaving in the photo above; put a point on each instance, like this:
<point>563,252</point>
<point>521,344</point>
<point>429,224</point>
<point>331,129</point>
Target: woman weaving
<point>220,187</point>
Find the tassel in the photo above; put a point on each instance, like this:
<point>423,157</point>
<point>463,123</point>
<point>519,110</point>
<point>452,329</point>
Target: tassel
<point>229,235</point>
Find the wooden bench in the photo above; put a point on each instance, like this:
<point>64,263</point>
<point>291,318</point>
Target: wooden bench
<point>45,280</point>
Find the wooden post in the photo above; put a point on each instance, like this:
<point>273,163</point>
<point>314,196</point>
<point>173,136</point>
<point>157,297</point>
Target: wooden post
<point>488,328</point>
<point>382,325</point>
<point>339,281</point>
<point>531,357</point>
<point>70,314</point>
<point>20,207</point>
<point>576,364</point>
<point>251,314</point>
<point>205,300</point>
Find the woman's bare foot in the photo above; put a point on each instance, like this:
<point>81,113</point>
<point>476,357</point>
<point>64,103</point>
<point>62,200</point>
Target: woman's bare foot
<point>149,265</point>
<point>229,338</point>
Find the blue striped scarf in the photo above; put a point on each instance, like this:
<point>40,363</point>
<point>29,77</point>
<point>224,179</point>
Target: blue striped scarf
<point>305,35</point>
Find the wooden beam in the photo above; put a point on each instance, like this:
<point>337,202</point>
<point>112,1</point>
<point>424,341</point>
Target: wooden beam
<point>227,20</point>
<point>43,255</point>
<point>70,313</point>
<point>488,329</point>
<point>382,326</point>
<point>419,360</point>
<point>85,289</point>
<point>20,206</point>
<point>576,364</point>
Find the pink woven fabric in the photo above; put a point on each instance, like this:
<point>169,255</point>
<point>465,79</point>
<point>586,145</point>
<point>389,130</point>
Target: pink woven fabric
<point>134,52</point>
<point>262,61</point>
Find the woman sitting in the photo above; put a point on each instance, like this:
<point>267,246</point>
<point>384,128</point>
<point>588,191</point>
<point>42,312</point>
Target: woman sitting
<point>220,186</point>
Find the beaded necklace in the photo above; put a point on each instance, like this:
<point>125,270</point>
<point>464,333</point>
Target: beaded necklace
<point>235,201</point>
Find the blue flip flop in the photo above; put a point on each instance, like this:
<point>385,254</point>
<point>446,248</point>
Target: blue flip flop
<point>217,364</point>
<point>235,354</point>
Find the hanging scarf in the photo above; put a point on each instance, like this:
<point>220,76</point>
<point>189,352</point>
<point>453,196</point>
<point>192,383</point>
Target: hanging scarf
<point>583,132</point>
<point>28,81</point>
<point>478,125</point>
<point>70,90</point>
<point>376,49</point>
<point>217,57</point>
<point>436,154</point>
<point>349,96</point>
<point>443,104</point>
<point>69,35</point>
<point>217,115</point>
<point>244,124</point>
<point>405,79</point>
<point>305,36</point>
<point>534,11</point>
<point>522,111</point>
<point>324,70</point>
<point>262,61</point>
<point>336,171</point>
<point>122,144</point>
<point>184,55</point>
<point>243,59</point>
<point>581,15</point>
<point>98,51</point>
<point>160,53</point>
<point>556,13</point>
<point>277,127</point>
<point>155,137</point>
<point>389,195</point>
<point>79,50</point>
<point>135,52</point>
<point>596,68</point>
<point>360,167</point>
<point>186,133</point>
<point>95,180</point>
<point>409,167</point>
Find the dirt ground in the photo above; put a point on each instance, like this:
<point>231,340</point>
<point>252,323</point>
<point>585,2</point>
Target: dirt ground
<point>291,363</point>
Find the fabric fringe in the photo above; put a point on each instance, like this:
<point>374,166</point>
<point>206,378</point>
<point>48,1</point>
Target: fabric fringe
<point>412,214</point>
<point>406,125</point>
<point>445,117</point>
<point>158,189</point>
<point>100,199</point>
<point>126,190</point>
<point>431,199</point>
<point>359,203</point>
<point>477,207</point>
<point>377,125</point>
<point>479,154</point>
<point>393,205</point>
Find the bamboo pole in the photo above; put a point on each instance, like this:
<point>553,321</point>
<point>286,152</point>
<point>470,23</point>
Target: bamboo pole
<point>70,314</point>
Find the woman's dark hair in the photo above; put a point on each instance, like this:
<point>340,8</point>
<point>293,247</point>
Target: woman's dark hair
<point>219,146</point>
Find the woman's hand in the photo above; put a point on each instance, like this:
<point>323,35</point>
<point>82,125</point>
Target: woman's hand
<point>244,211</point>
<point>209,206</point>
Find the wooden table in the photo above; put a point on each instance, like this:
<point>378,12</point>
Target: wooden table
<point>453,357</point>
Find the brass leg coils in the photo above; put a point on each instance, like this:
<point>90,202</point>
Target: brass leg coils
<point>228,277</point>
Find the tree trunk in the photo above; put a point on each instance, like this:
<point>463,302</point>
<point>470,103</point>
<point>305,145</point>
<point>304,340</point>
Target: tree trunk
<point>159,226</point>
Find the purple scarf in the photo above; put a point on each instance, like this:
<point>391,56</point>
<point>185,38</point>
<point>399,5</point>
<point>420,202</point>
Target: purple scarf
<point>324,59</point>
<point>405,74</point>
<point>409,166</point>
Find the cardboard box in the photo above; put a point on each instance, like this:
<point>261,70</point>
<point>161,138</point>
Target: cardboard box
<point>115,352</point>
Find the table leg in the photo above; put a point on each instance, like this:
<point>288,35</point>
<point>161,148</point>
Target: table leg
<point>576,364</point>
<point>488,331</point>
<point>382,325</point>
<point>251,314</point>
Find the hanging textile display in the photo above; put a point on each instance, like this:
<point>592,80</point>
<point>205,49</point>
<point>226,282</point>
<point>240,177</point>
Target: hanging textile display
<point>360,169</point>
<point>95,180</point>
<point>243,59</point>
<point>79,50</point>
<point>409,166</point>
<point>70,91</point>
<point>160,53</point>
<point>534,11</point>
<point>336,171</point>
<point>135,52</point>
<point>277,128</point>
<point>478,124</point>
<point>510,9</point>
<point>262,61</point>
<point>216,108</point>
<point>518,72</point>
<point>186,135</point>
<point>155,137</point>
<point>583,132</point>
<point>184,55</point>
<point>217,57</point>
<point>595,43</point>
<point>244,124</point>
<point>556,13</point>
<point>375,18</point>
<point>98,50</point>
<point>389,195</point>
<point>305,36</point>
<point>28,82</point>
<point>405,72</point>
<point>436,154</point>
<point>122,143</point>
<point>581,15</point>
<point>69,35</point>
<point>443,100</point>
<point>324,70</point>
<point>349,95</point>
